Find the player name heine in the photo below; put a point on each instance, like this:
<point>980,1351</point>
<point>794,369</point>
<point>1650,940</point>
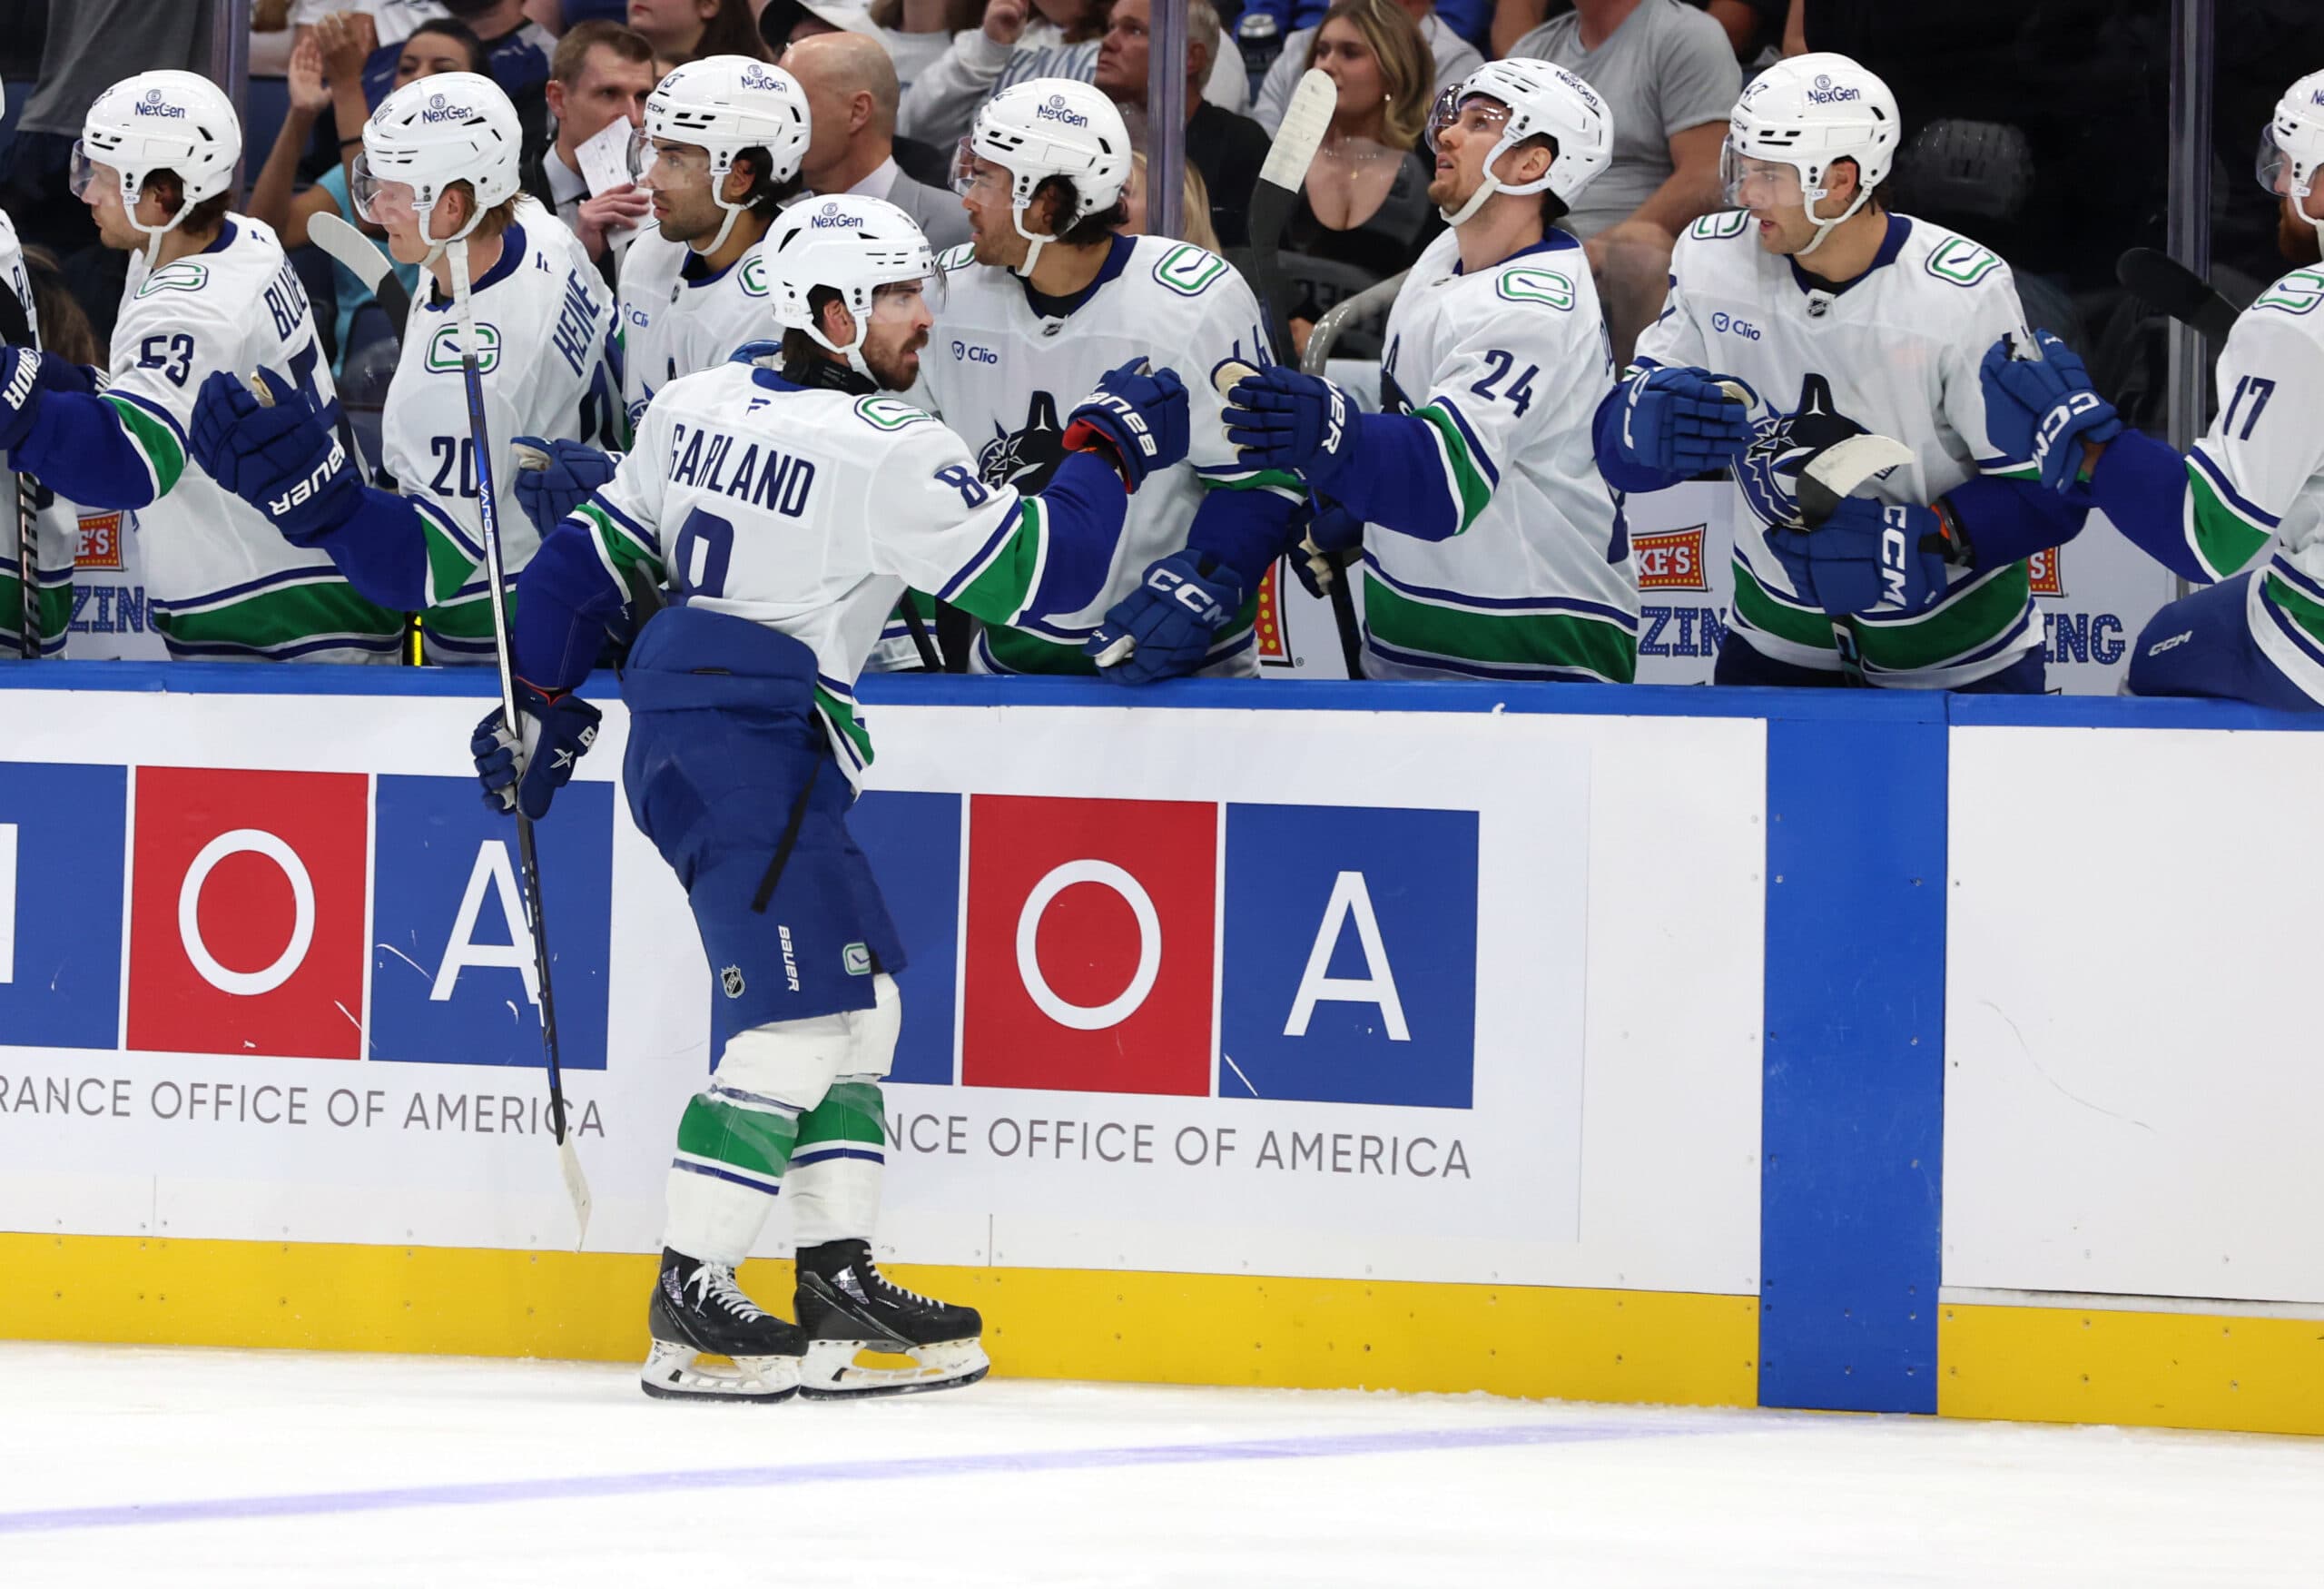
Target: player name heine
<point>1423,1158</point>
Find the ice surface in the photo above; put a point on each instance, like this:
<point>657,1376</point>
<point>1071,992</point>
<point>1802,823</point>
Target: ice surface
<point>182,1467</point>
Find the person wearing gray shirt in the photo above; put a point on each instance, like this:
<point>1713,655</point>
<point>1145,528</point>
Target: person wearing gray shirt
<point>1669,77</point>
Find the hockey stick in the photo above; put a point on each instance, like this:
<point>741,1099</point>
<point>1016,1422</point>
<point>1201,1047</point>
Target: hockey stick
<point>1306,120</point>
<point>576,1185</point>
<point>2161,282</point>
<point>17,330</point>
<point>364,260</point>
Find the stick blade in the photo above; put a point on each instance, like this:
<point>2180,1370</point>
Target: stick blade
<point>577,1186</point>
<point>350,248</point>
<point>1838,469</point>
<point>2161,281</point>
<point>1305,122</point>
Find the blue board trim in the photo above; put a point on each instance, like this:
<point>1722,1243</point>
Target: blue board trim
<point>1853,1104</point>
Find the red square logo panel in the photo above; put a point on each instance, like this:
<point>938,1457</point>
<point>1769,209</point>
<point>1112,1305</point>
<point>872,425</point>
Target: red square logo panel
<point>1091,935</point>
<point>246,919</point>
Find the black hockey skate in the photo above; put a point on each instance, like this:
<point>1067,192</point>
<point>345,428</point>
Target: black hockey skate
<point>846,1306</point>
<point>697,1308</point>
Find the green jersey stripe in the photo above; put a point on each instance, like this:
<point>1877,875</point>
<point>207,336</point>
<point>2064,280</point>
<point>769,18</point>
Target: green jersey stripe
<point>1974,616</point>
<point>1470,489</point>
<point>1762,609</point>
<point>618,551</point>
<point>164,459</point>
<point>54,602</point>
<point>285,615</point>
<point>451,562</point>
<point>841,717</point>
<point>1001,588</point>
<point>1564,640</point>
<point>2222,538</point>
<point>2297,606</point>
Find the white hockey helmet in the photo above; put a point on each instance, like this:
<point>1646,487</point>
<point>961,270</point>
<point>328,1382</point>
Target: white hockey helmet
<point>456,127</point>
<point>2292,146</point>
<point>850,244</point>
<point>160,121</point>
<point>1809,113</point>
<point>1046,127</point>
<point>724,105</point>
<point>1543,100</point>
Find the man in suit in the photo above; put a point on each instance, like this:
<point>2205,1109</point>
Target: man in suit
<point>851,96</point>
<point>601,74</point>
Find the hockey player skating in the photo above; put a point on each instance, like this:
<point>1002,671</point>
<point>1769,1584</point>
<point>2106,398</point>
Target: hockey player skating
<point>208,292</point>
<point>1837,319</point>
<point>1501,555</point>
<point>1043,301</point>
<point>2255,633</point>
<point>719,150</point>
<point>438,171</point>
<point>790,502</point>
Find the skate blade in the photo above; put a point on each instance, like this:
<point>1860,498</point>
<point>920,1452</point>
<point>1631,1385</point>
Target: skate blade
<point>679,1373</point>
<point>831,1372</point>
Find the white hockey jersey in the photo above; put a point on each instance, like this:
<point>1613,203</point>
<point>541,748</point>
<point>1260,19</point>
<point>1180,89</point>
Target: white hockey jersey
<point>811,511</point>
<point>672,323</point>
<point>542,313</point>
<point>1507,366</point>
<point>1895,352</point>
<point>223,580</point>
<point>2257,476</point>
<point>1005,376</point>
<point>55,527</point>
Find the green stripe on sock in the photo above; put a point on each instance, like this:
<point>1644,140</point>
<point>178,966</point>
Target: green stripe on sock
<point>851,1111</point>
<point>1565,640</point>
<point>758,1140</point>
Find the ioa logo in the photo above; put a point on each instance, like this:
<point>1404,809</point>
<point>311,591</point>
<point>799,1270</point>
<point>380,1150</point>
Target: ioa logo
<point>1058,111</point>
<point>152,106</point>
<point>1825,94</point>
<point>831,216</point>
<point>1670,559</point>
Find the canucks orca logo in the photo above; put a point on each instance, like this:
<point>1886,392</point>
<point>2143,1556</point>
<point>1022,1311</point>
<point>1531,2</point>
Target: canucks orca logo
<point>1027,458</point>
<point>1769,471</point>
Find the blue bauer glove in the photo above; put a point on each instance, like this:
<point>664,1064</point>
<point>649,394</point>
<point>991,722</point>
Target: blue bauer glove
<point>1869,557</point>
<point>523,771</point>
<point>1680,422</point>
<point>1333,541</point>
<point>554,477</point>
<point>1135,418</point>
<point>1282,420</point>
<point>1164,626</point>
<point>277,452</point>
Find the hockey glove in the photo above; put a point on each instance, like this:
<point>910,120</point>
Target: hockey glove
<point>1334,540</point>
<point>1164,626</point>
<point>1869,557</point>
<point>1283,420</point>
<point>1680,422</point>
<point>526,772</point>
<point>560,480</point>
<point>20,384</point>
<point>2043,408</point>
<point>1135,418</point>
<point>281,457</point>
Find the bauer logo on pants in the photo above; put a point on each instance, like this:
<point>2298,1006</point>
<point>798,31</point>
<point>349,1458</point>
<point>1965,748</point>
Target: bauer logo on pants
<point>1186,948</point>
<point>309,916</point>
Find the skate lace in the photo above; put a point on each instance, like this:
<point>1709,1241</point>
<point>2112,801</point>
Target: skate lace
<point>889,1286</point>
<point>714,1282</point>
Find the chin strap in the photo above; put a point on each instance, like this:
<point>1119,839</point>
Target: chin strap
<point>822,374</point>
<point>1824,228</point>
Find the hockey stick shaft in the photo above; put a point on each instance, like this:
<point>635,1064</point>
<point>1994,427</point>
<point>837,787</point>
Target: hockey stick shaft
<point>366,261</point>
<point>576,1185</point>
<point>16,330</point>
<point>2161,282</point>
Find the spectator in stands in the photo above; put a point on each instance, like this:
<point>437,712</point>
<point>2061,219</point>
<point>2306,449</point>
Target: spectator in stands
<point>1753,26</point>
<point>1469,21</point>
<point>851,87</point>
<point>687,30</point>
<point>918,32</point>
<point>1193,208</point>
<point>601,74</point>
<point>1454,56</point>
<point>1363,213</point>
<point>391,21</point>
<point>1669,77</point>
<point>1226,148</point>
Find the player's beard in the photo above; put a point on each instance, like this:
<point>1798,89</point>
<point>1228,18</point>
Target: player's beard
<point>898,370</point>
<point>2296,237</point>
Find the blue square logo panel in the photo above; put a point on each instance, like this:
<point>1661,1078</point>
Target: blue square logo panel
<point>913,841</point>
<point>62,833</point>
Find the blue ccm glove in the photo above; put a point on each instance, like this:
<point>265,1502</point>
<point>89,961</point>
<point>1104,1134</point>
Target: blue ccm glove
<point>2043,408</point>
<point>1680,422</point>
<point>571,471</point>
<point>1135,418</point>
<point>1283,420</point>
<point>558,730</point>
<point>1164,626</point>
<point>1334,539</point>
<point>283,459</point>
<point>1869,557</point>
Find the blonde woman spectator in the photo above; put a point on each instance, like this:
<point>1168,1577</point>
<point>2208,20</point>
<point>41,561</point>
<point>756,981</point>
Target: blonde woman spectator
<point>1454,56</point>
<point>1194,225</point>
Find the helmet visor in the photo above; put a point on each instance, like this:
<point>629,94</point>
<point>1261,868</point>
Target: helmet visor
<point>378,199</point>
<point>2279,169</point>
<point>1758,184</point>
<point>678,163</point>
<point>83,172</point>
<point>972,174</point>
